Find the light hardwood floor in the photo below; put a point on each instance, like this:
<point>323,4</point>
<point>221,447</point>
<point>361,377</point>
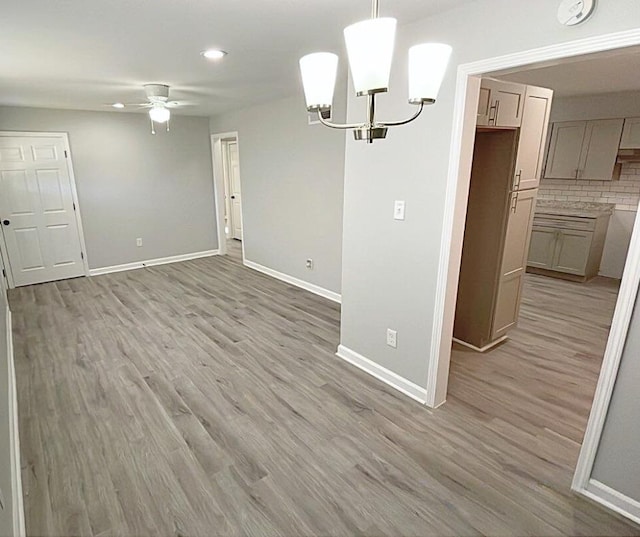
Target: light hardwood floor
<point>203,398</point>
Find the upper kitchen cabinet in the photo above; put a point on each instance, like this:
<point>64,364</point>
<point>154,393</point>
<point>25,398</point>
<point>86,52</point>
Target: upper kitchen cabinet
<point>501,104</point>
<point>631,134</point>
<point>533,135</point>
<point>584,149</point>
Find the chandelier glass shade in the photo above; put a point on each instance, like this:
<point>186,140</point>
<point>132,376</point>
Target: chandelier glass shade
<point>370,46</point>
<point>319,71</point>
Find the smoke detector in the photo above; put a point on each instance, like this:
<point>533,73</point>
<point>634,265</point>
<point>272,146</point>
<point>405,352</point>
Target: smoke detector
<point>572,12</point>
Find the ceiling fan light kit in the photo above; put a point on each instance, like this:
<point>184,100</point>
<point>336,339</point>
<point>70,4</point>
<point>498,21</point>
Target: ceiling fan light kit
<point>159,113</point>
<point>158,95</point>
<point>370,45</point>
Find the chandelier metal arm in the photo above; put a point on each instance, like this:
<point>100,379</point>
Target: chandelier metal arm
<point>341,126</point>
<point>403,122</point>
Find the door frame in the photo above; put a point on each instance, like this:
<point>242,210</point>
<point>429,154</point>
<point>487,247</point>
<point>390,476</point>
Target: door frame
<point>457,191</point>
<point>219,191</point>
<point>64,136</point>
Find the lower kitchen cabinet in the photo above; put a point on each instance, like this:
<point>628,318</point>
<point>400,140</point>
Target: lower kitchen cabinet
<point>567,246</point>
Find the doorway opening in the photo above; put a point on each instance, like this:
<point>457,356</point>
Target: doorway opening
<point>41,237</point>
<point>569,293</point>
<point>228,189</point>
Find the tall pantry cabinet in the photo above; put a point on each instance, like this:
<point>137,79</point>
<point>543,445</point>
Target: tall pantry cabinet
<point>507,166</point>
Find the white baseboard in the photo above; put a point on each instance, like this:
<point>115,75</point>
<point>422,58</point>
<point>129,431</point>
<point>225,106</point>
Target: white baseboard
<point>152,262</point>
<point>480,349</point>
<point>14,439</point>
<point>612,499</point>
<point>316,289</point>
<point>382,373</point>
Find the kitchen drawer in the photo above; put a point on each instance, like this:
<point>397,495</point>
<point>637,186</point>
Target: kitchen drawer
<point>577,223</point>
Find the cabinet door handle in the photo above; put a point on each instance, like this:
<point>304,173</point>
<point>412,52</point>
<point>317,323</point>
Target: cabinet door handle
<point>516,180</point>
<point>492,119</point>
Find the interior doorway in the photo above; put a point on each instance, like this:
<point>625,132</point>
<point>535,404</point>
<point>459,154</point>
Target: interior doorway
<point>620,296</point>
<point>233,193</point>
<point>41,229</point>
<point>228,191</point>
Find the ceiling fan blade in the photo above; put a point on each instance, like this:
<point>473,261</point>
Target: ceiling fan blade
<point>178,104</point>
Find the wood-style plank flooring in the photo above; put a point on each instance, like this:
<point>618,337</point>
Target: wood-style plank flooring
<point>203,398</point>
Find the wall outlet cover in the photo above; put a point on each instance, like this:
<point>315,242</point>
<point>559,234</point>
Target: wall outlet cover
<point>392,338</point>
<point>398,210</point>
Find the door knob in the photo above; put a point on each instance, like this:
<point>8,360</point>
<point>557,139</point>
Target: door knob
<point>6,222</point>
<point>233,197</point>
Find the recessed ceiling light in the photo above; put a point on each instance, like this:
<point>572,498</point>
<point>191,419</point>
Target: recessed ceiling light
<point>118,105</point>
<point>213,54</point>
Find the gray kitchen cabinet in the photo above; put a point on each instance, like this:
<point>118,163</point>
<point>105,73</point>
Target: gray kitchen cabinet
<point>543,246</point>
<point>572,251</point>
<point>501,104</point>
<point>584,150</point>
<point>567,246</point>
<point>514,262</point>
<point>496,243</point>
<point>533,136</point>
<point>631,134</point>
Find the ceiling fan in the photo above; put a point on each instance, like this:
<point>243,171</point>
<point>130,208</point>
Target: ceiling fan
<point>158,104</point>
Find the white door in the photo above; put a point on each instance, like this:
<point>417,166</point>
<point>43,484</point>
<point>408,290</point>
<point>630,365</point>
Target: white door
<point>39,225</point>
<point>234,188</point>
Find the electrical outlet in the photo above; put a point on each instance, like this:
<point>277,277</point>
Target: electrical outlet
<point>309,264</point>
<point>139,241</point>
<point>392,338</point>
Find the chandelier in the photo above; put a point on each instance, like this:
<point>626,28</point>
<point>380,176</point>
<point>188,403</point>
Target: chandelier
<point>370,45</point>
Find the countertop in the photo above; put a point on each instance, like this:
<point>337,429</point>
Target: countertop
<point>574,208</point>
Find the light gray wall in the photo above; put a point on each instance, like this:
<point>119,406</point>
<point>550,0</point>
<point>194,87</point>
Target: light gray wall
<point>292,187</point>
<point>390,268</point>
<point>133,184</point>
<point>6,521</point>
<point>617,462</point>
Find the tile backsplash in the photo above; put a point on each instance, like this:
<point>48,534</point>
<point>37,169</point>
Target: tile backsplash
<point>625,193</point>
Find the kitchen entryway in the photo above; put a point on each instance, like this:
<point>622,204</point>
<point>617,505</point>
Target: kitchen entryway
<point>41,230</point>
<point>527,354</point>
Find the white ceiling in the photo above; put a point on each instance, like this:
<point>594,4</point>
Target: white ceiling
<point>81,54</point>
<point>609,72</point>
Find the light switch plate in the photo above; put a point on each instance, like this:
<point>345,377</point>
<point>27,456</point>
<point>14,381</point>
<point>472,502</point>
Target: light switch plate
<point>398,210</point>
